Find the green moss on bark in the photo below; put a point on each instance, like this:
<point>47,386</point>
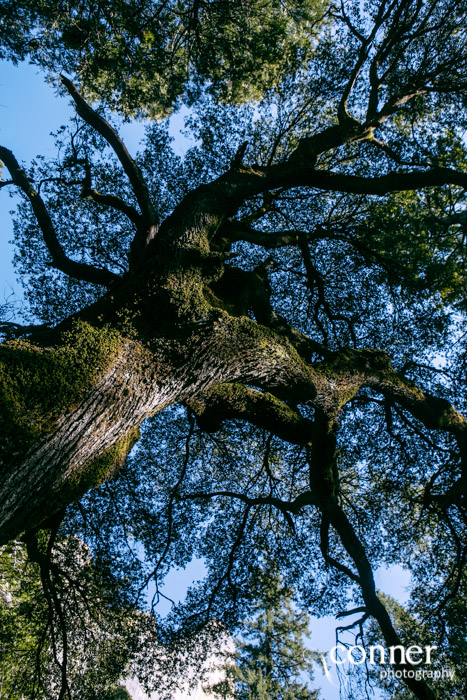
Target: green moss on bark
<point>101,469</point>
<point>39,384</point>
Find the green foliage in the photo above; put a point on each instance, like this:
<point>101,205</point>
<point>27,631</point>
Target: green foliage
<point>100,627</point>
<point>410,232</point>
<point>142,57</point>
<point>23,610</point>
<point>271,662</point>
<point>119,693</point>
<point>447,658</point>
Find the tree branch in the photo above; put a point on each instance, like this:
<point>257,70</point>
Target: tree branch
<point>80,271</point>
<point>365,44</point>
<point>230,401</point>
<point>221,198</point>
<point>113,201</point>
<point>110,200</point>
<point>147,226</point>
<point>307,498</point>
<point>16,330</point>
<point>355,184</point>
<point>324,475</point>
<point>236,230</point>
<point>240,231</point>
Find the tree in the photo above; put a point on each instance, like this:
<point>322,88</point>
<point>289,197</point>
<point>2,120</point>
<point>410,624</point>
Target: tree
<point>271,655</point>
<point>291,295</point>
<point>410,625</point>
<point>41,596</point>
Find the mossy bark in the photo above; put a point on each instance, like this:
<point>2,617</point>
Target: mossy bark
<point>72,414</point>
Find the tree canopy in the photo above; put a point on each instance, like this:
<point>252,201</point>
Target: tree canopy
<point>273,322</point>
<point>144,56</point>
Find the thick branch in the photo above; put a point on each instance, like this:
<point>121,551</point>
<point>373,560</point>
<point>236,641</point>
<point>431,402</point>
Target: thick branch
<point>16,330</point>
<point>432,411</point>
<point>351,370</point>
<point>354,184</point>
<point>230,401</point>
<point>60,261</point>
<point>325,486</point>
<point>213,203</point>
<point>202,213</point>
<point>373,604</point>
<point>239,231</point>
<point>112,200</point>
<point>147,228</point>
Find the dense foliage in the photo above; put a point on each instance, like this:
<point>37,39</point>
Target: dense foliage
<point>143,57</point>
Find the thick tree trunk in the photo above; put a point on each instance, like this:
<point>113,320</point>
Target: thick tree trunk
<point>89,441</point>
<point>72,405</point>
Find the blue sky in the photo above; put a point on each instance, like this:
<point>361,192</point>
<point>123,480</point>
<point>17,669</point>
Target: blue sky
<point>28,113</point>
<point>30,110</point>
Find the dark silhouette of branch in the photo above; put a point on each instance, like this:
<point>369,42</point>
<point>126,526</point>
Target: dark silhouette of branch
<point>324,480</point>
<point>106,199</point>
<point>304,499</point>
<point>113,201</point>
<point>46,567</point>
<point>60,261</point>
<point>16,330</point>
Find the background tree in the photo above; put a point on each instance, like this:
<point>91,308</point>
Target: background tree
<point>62,624</point>
<point>285,305</point>
<point>272,660</point>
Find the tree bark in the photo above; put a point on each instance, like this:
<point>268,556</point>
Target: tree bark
<point>91,439</point>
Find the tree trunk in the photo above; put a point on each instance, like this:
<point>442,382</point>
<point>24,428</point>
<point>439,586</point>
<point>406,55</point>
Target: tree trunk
<point>90,439</point>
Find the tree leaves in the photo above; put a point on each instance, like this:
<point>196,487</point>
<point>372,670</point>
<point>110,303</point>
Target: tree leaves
<point>143,57</point>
